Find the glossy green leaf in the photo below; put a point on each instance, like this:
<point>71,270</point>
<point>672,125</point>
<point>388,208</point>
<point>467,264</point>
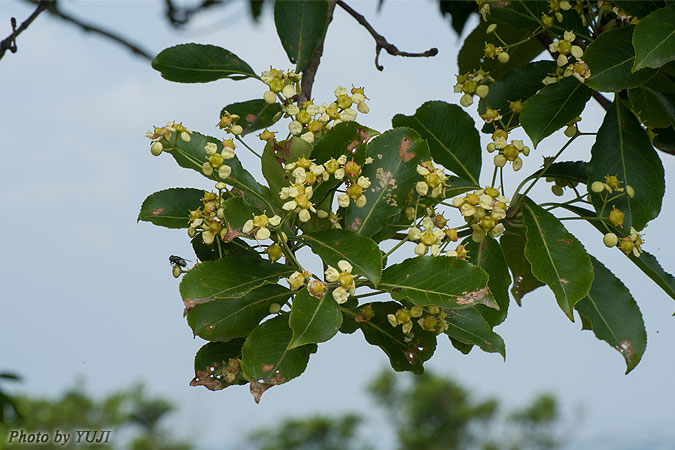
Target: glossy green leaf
<point>393,174</point>
<point>553,107</point>
<point>470,327</point>
<point>229,277</point>
<point>300,26</point>
<point>209,252</point>
<point>313,320</point>
<point>513,245</point>
<point>405,352</point>
<point>614,316</point>
<point>438,280</point>
<point>654,39</point>
<point>170,208</point>
<point>610,58</point>
<point>216,365</point>
<point>346,138</point>
<point>274,158</point>
<point>665,139</point>
<point>192,155</point>
<point>647,263</point>
<point>654,102</point>
<point>452,136</point>
<point>526,15</point>
<point>266,359</point>
<point>359,251</point>
<point>556,257</point>
<point>254,114</point>
<point>488,256</point>
<point>222,320</point>
<point>622,148</point>
<point>470,56</point>
<point>199,63</point>
<point>520,83</point>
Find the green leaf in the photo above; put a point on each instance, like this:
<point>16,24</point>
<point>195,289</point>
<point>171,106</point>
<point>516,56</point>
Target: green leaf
<point>255,114</point>
<point>393,173</point>
<point>217,367</point>
<point>300,26</point>
<point>622,148</point>
<point>361,252</point>
<point>222,320</point>
<point>665,139</point>
<point>313,320</point>
<point>610,58</point>
<point>651,267</point>
<point>470,327</point>
<point>470,56</point>
<point>452,136</point>
<point>654,102</point>
<point>567,170</point>
<point>209,252</point>
<point>488,256</point>
<point>513,245</point>
<point>526,15</point>
<point>266,359</point>
<point>646,262</point>
<point>199,63</point>
<point>346,138</point>
<point>275,156</point>
<point>520,83</point>
<point>438,280</point>
<point>229,277</point>
<point>405,352</point>
<point>553,107</point>
<point>171,207</point>
<point>614,315</point>
<point>639,8</point>
<point>654,39</point>
<point>556,257</point>
<point>192,155</point>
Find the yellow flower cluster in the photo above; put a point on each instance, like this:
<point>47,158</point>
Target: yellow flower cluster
<point>228,122</point>
<point>216,160</point>
<point>507,151</point>
<point>159,133</point>
<point>433,321</point>
<point>434,179</point>
<point>475,82</point>
<point>483,210</point>
<point>209,219</point>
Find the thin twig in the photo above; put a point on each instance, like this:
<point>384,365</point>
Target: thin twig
<point>9,43</point>
<point>380,41</point>
<point>53,9</point>
<point>604,102</point>
<point>309,72</point>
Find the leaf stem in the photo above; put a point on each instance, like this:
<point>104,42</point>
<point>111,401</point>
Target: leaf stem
<point>246,145</point>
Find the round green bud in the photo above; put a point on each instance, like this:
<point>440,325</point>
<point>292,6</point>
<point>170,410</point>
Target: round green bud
<point>503,57</point>
<point>156,148</point>
<point>597,187</point>
<point>610,239</point>
<point>176,271</point>
<point>557,190</point>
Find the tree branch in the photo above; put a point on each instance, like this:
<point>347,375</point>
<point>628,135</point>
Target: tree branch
<point>309,72</point>
<point>53,9</point>
<point>604,102</point>
<point>380,41</point>
<point>9,43</point>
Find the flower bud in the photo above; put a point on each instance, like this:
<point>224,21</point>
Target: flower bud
<point>288,91</point>
<point>557,190</point>
<point>630,192</point>
<point>176,271</point>
<point>466,100</point>
<point>483,90</point>
<point>185,136</point>
<point>610,240</point>
<point>597,187</point>
<point>503,57</point>
<point>236,130</point>
<point>270,97</point>
<point>156,148</point>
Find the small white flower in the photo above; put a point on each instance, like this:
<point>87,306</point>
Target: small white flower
<point>292,109</point>
<point>308,137</point>
<point>289,206</point>
<point>228,153</point>
<point>275,220</point>
<point>304,216</point>
<point>332,274</point>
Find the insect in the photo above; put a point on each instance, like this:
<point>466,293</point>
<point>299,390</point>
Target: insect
<point>178,261</point>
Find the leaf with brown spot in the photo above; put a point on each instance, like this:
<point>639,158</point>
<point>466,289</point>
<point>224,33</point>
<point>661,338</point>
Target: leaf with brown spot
<point>266,359</point>
<point>611,312</point>
<point>170,208</point>
<point>392,174</point>
<point>438,280</point>
<point>405,353</point>
<point>217,366</point>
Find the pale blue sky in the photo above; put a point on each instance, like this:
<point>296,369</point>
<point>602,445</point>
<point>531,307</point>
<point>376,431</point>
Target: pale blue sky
<point>88,291</point>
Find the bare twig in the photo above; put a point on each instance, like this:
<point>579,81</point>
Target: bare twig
<point>380,41</point>
<point>9,43</point>
<point>604,102</point>
<point>53,9</point>
<point>309,71</point>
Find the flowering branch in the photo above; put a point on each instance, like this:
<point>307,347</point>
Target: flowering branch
<point>380,41</point>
